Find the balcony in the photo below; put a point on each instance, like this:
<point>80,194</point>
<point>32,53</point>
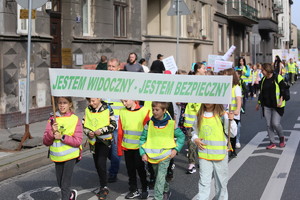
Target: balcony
<point>241,12</point>
<point>267,25</point>
<point>278,8</point>
<point>280,32</point>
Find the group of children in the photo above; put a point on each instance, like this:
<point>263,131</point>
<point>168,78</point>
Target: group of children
<point>136,132</point>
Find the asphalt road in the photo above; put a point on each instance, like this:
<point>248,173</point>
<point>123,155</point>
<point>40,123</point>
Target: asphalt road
<point>256,173</point>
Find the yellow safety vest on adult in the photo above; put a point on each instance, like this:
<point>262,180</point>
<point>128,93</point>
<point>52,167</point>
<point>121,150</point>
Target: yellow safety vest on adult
<point>132,125</point>
<point>190,114</point>
<point>213,136</point>
<point>292,68</point>
<point>60,152</point>
<point>277,90</point>
<point>155,149</point>
<point>95,121</point>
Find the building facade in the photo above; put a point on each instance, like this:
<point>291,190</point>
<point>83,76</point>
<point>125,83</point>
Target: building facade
<point>67,35</point>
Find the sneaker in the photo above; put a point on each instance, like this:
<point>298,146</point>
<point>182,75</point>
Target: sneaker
<point>151,184</point>
<point>112,178</point>
<point>167,195</point>
<point>73,195</point>
<point>102,194</point>
<point>144,195</point>
<point>132,194</point>
<point>232,154</point>
<point>282,142</point>
<point>191,169</point>
<point>271,146</point>
<point>254,95</point>
<point>238,145</point>
<point>169,176</point>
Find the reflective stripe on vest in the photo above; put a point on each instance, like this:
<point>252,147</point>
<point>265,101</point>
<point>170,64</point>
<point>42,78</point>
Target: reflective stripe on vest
<point>277,89</point>
<point>190,114</point>
<point>156,150</point>
<point>233,99</point>
<point>60,152</point>
<point>291,68</point>
<point>133,126</point>
<point>212,133</point>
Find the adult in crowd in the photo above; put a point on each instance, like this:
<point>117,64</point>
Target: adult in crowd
<point>102,65</point>
<point>132,65</point>
<point>143,62</point>
<point>157,65</point>
<point>278,66</point>
<point>272,101</point>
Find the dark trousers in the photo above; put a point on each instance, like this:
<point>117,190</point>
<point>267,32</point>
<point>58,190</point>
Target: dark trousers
<point>64,171</point>
<point>134,163</point>
<point>100,158</point>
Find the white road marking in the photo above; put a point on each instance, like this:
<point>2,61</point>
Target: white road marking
<point>298,119</point>
<point>2,154</point>
<point>275,186</point>
<point>297,126</point>
<point>281,170</point>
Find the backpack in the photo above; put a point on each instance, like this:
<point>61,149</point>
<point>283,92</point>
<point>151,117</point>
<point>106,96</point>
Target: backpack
<point>287,95</point>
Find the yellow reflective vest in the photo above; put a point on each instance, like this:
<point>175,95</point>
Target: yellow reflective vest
<point>155,149</point>
<point>233,99</point>
<point>60,152</point>
<point>148,104</point>
<point>277,89</point>
<point>190,114</point>
<point>212,133</point>
<point>292,68</point>
<point>95,121</point>
<point>133,126</point>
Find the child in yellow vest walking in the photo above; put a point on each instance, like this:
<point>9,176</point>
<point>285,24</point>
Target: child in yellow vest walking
<point>160,128</point>
<point>130,127</point>
<point>99,123</point>
<point>64,138</point>
<point>208,135</point>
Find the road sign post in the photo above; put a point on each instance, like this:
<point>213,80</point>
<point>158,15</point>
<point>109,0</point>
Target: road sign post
<point>28,4</point>
<point>178,7</point>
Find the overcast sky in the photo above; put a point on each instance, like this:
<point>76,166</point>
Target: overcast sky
<point>296,13</point>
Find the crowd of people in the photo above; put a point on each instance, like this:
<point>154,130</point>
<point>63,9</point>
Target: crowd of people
<point>134,129</point>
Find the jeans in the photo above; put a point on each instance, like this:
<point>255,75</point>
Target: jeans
<point>64,171</point>
<point>217,169</point>
<point>113,155</point>
<point>273,123</point>
<point>161,185</point>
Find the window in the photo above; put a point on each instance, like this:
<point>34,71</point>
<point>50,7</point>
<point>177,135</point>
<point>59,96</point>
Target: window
<point>120,9</point>
<point>220,39</point>
<point>206,20</point>
<point>242,43</point>
<point>247,50</point>
<point>228,38</point>
<point>23,24</point>
<point>86,17</point>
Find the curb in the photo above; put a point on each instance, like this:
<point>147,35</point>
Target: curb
<point>24,161</point>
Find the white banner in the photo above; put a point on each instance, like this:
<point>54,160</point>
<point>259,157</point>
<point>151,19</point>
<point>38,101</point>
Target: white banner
<point>221,65</point>
<point>212,59</point>
<point>293,54</point>
<point>229,53</point>
<point>170,64</point>
<point>282,53</point>
<point>140,86</point>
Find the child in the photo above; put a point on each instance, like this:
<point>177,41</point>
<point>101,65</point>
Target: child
<point>99,123</point>
<point>255,80</point>
<point>209,136</point>
<point>236,104</point>
<point>64,136</point>
<point>131,124</point>
<point>160,128</point>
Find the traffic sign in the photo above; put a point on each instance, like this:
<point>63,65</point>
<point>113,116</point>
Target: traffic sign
<point>183,9</point>
<point>35,3</point>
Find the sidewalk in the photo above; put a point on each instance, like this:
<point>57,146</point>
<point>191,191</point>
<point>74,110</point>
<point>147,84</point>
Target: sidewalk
<point>14,163</point>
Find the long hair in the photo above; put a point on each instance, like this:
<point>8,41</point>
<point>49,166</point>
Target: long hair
<point>235,78</point>
<point>239,63</point>
<point>218,110</point>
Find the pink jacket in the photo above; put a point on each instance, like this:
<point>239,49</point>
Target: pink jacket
<point>75,140</point>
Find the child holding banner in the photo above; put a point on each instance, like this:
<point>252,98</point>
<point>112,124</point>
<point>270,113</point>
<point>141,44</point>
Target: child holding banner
<point>208,135</point>
<point>161,127</point>
<point>130,127</point>
<point>99,123</point>
<point>64,136</point>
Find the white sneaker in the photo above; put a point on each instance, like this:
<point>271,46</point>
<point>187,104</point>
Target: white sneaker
<point>238,145</point>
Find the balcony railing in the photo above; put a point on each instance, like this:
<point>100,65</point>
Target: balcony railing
<point>278,8</point>
<point>241,9</point>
